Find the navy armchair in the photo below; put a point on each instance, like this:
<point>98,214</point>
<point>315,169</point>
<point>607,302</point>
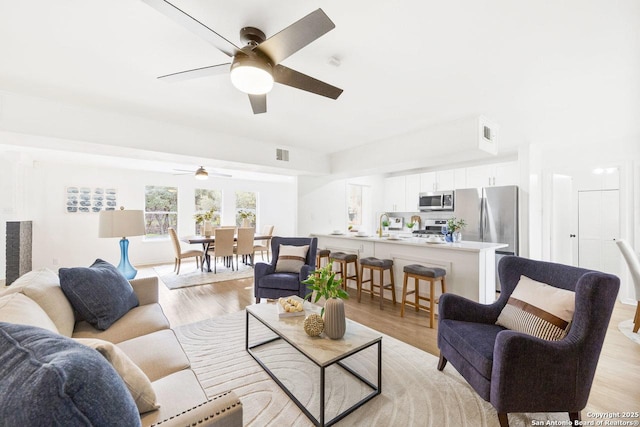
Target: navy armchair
<point>517,372</point>
<point>269,284</point>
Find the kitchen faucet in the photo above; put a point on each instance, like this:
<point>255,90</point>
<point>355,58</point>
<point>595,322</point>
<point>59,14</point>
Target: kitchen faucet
<point>380,229</point>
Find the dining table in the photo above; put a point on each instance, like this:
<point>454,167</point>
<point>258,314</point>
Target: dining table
<point>208,241</point>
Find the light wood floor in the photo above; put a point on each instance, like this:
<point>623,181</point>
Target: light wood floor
<point>616,387</point>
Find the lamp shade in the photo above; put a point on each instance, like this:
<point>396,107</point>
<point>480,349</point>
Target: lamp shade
<point>121,223</point>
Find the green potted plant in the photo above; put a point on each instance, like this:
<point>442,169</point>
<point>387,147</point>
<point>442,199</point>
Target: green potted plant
<point>454,226</point>
<point>324,283</point>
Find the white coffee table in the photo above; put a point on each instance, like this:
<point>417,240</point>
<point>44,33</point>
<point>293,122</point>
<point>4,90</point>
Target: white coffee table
<point>321,351</point>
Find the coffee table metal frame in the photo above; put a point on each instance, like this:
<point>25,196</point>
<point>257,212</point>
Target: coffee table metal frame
<point>376,388</point>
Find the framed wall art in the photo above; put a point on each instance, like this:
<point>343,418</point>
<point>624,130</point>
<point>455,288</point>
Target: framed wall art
<point>88,199</point>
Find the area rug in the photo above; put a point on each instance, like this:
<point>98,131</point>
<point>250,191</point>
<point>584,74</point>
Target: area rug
<point>414,392</point>
<point>626,327</point>
<point>190,274</point>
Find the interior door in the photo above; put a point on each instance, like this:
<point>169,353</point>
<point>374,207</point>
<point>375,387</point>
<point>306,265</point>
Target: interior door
<point>598,229</point>
<point>562,229</point>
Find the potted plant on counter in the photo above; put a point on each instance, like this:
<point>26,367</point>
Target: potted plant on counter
<point>323,282</point>
<point>454,226</point>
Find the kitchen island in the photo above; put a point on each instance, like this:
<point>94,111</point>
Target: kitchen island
<point>470,266</point>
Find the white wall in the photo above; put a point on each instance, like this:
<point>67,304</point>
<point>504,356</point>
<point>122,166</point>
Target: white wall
<point>577,160</point>
<point>61,239</point>
<point>322,203</point>
<point>63,125</point>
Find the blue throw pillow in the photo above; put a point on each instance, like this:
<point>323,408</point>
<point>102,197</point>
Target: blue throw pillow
<point>100,294</point>
<point>49,379</point>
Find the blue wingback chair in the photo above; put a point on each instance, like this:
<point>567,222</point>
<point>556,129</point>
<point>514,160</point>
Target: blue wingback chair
<point>269,284</point>
<point>517,372</point>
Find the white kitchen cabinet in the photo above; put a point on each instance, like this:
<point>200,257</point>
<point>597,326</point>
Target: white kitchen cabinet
<point>395,194</point>
<point>412,191</point>
<point>445,180</point>
<point>427,182</point>
<point>506,173</point>
<point>401,193</point>
<point>441,180</point>
<point>460,179</point>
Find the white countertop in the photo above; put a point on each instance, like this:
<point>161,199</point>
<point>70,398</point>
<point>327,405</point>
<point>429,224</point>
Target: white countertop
<point>419,241</point>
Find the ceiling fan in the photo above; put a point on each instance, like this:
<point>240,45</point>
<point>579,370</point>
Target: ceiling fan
<point>201,173</point>
<point>256,66</point>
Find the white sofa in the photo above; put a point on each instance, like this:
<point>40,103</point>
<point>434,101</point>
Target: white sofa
<point>143,334</point>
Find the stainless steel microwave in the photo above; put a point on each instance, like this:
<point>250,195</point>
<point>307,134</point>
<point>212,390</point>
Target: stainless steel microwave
<point>436,201</point>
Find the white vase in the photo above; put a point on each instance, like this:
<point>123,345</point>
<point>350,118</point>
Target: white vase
<point>335,324</point>
<point>207,228</point>
<point>456,237</point>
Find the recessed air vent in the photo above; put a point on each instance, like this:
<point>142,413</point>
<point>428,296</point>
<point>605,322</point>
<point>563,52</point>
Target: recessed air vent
<point>488,135</point>
<point>282,154</point>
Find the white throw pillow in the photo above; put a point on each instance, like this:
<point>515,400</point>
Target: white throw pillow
<point>136,381</point>
<point>538,309</point>
<point>43,286</point>
<point>22,310</point>
<point>291,258</point>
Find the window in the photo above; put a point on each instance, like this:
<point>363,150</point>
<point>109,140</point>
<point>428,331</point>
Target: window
<point>354,204</point>
<point>160,210</point>
<point>208,200</point>
<point>245,207</point>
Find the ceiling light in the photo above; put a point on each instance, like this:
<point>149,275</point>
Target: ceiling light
<point>202,174</point>
<point>251,75</point>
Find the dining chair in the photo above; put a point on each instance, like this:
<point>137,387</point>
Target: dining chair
<point>224,240</point>
<point>631,258</point>
<point>180,254</point>
<point>263,246</point>
<point>244,245</point>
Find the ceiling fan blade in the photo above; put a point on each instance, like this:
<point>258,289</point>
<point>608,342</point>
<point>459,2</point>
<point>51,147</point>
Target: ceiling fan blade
<point>212,70</point>
<point>224,175</point>
<point>293,78</point>
<point>193,25</point>
<point>192,171</point>
<point>258,103</point>
<point>296,36</point>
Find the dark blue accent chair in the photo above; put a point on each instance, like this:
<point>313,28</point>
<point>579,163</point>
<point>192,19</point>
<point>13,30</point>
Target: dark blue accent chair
<point>269,284</point>
<point>517,372</point>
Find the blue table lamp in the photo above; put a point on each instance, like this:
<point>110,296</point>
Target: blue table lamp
<point>122,223</point>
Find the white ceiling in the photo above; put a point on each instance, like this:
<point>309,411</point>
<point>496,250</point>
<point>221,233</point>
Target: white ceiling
<point>546,71</point>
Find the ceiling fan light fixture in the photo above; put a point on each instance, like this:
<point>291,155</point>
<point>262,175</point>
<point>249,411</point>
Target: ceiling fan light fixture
<point>251,75</point>
<point>202,174</point>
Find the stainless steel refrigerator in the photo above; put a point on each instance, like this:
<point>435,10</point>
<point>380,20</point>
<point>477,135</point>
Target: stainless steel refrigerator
<point>491,214</point>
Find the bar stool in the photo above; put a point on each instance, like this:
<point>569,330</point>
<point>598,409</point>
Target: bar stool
<point>322,253</point>
<point>374,264</point>
<point>430,274</point>
<point>344,259</point>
